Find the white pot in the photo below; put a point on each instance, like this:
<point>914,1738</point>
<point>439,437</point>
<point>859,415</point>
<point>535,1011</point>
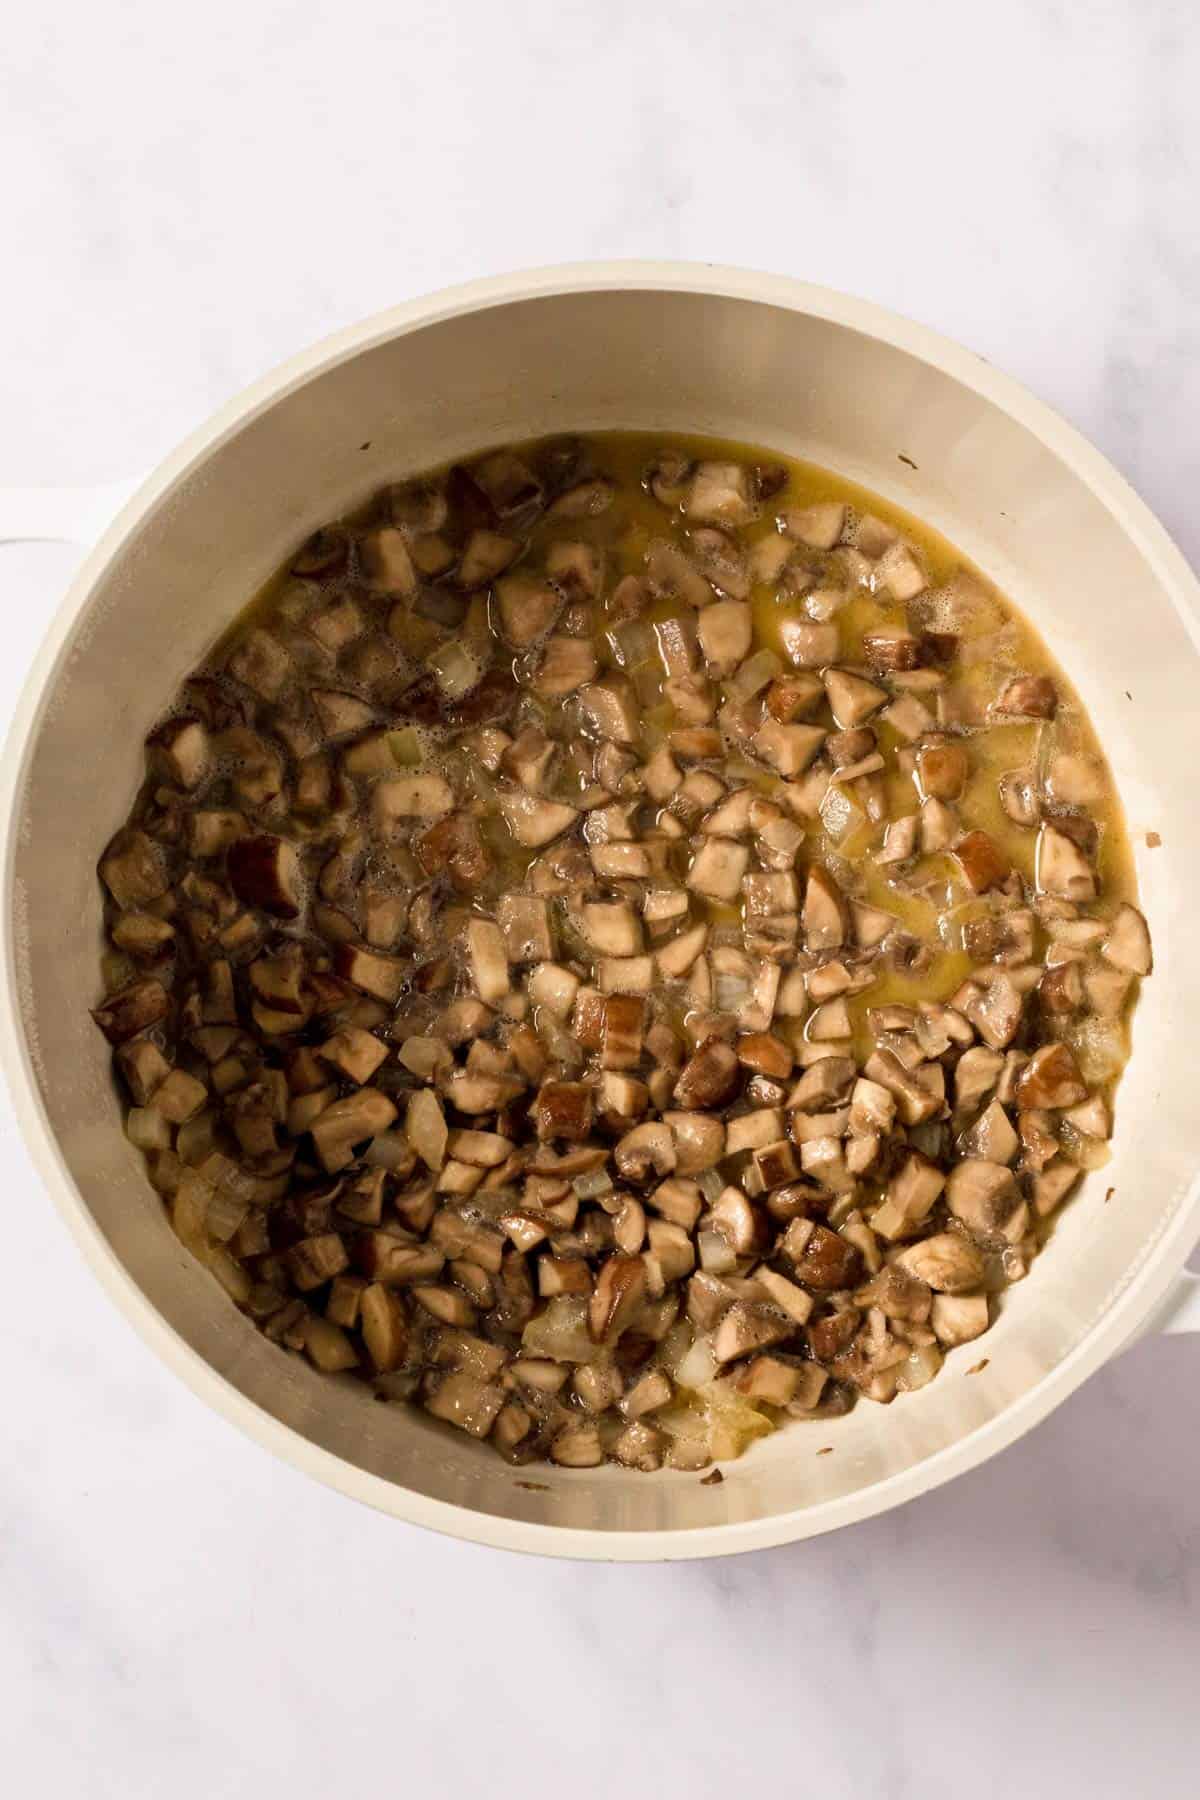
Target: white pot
<point>650,346</point>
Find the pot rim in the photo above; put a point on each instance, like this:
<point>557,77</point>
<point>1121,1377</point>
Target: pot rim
<point>1128,1308</point>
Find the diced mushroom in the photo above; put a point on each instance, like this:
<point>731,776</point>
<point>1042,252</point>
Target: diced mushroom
<point>717,869</point>
<point>1028,697</point>
<point>710,1077</point>
<point>564,1110</point>
<point>645,1151</point>
<point>132,869</point>
<point>746,1328</point>
<point>179,752</point>
<point>724,630</point>
<point>133,1009</point>
<point>567,664</point>
<point>948,1263</point>
<point>807,645</point>
<point>619,1288</point>
<point>609,708</point>
<point>981,860</point>
<point>719,493</point>
<point>527,608</point>
<point>959,1318</point>
<point>899,570</point>
<point>1127,945</point>
<point>1062,868</point>
<point>488,554</point>
<point>819,525</point>
<point>534,821</point>
<point>821,1258</point>
<point>825,914</point>
<point>788,748</point>
<point>1051,1079</point>
<point>851,699</point>
<point>380,976</point>
<point>348,1123</point>
<point>984,1195</point>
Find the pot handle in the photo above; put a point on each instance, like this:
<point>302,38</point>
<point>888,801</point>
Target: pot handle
<point>62,515</point>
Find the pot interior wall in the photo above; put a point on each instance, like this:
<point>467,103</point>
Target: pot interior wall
<point>638,359</point>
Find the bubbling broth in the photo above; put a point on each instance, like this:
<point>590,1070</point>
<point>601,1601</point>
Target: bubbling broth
<point>625,943</point>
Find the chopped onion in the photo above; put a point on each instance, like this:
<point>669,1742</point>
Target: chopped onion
<point>710,1183</point>
<point>406,747</point>
<point>697,1368</point>
<point>633,644</point>
<point>593,1184</point>
<point>919,1368</point>
<point>224,1216</point>
<point>455,668</point>
<point>717,1255</point>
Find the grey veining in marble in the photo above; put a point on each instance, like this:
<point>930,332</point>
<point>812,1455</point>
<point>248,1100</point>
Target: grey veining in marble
<point>192,194</point>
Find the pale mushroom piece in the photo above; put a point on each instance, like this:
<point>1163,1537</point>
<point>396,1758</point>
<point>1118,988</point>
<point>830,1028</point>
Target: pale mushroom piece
<point>908,717</point>
<point>355,1052</point>
<point>698,1141</point>
<point>625,974</point>
<point>732,816</point>
<point>788,748</point>
<point>830,1020</point>
<point>808,645</point>
<point>939,826</point>
<point>899,571</point>
<point>984,1195</point>
<point>914,1102</point>
<point>387,563</point>
<point>661,774</point>
<point>975,1076</point>
<point>488,959</point>
<point>720,493</point>
<point>566,665</point>
<point>1127,946</point>
<point>179,751</point>
<point>672,573</point>
<point>874,536</point>
<point>753,1131</point>
<point>350,1122</point>
<point>852,700</point>
<point>899,840</point>
<point>1092,1117</point>
<point>621,861</point>
<point>959,1318</point>
<point>609,707</point>
<point>768,557</point>
<point>1052,1184</point>
<point>612,927</point>
<point>717,869</point>
<point>819,525</point>
<point>676,957</point>
<point>524,921</point>
<point>261,663</point>
<point>870,926</point>
<point>825,919</point>
<point>532,820</point>
<point>410,797</point>
<point>992,1136</point>
<point>1075,779</point>
<point>725,631</point>
<point>1062,868</point>
<point>746,1328</point>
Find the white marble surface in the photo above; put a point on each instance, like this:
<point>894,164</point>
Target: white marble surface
<point>190,194</point>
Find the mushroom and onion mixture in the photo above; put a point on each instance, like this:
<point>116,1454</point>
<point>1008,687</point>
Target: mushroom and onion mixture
<point>625,944</point>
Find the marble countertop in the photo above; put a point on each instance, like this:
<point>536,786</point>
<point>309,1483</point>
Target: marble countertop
<point>190,196</point>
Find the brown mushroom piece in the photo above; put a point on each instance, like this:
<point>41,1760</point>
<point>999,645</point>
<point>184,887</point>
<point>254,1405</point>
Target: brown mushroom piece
<point>264,872</point>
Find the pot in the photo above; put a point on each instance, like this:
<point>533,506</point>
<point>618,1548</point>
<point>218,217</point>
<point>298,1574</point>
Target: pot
<point>799,370</point>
